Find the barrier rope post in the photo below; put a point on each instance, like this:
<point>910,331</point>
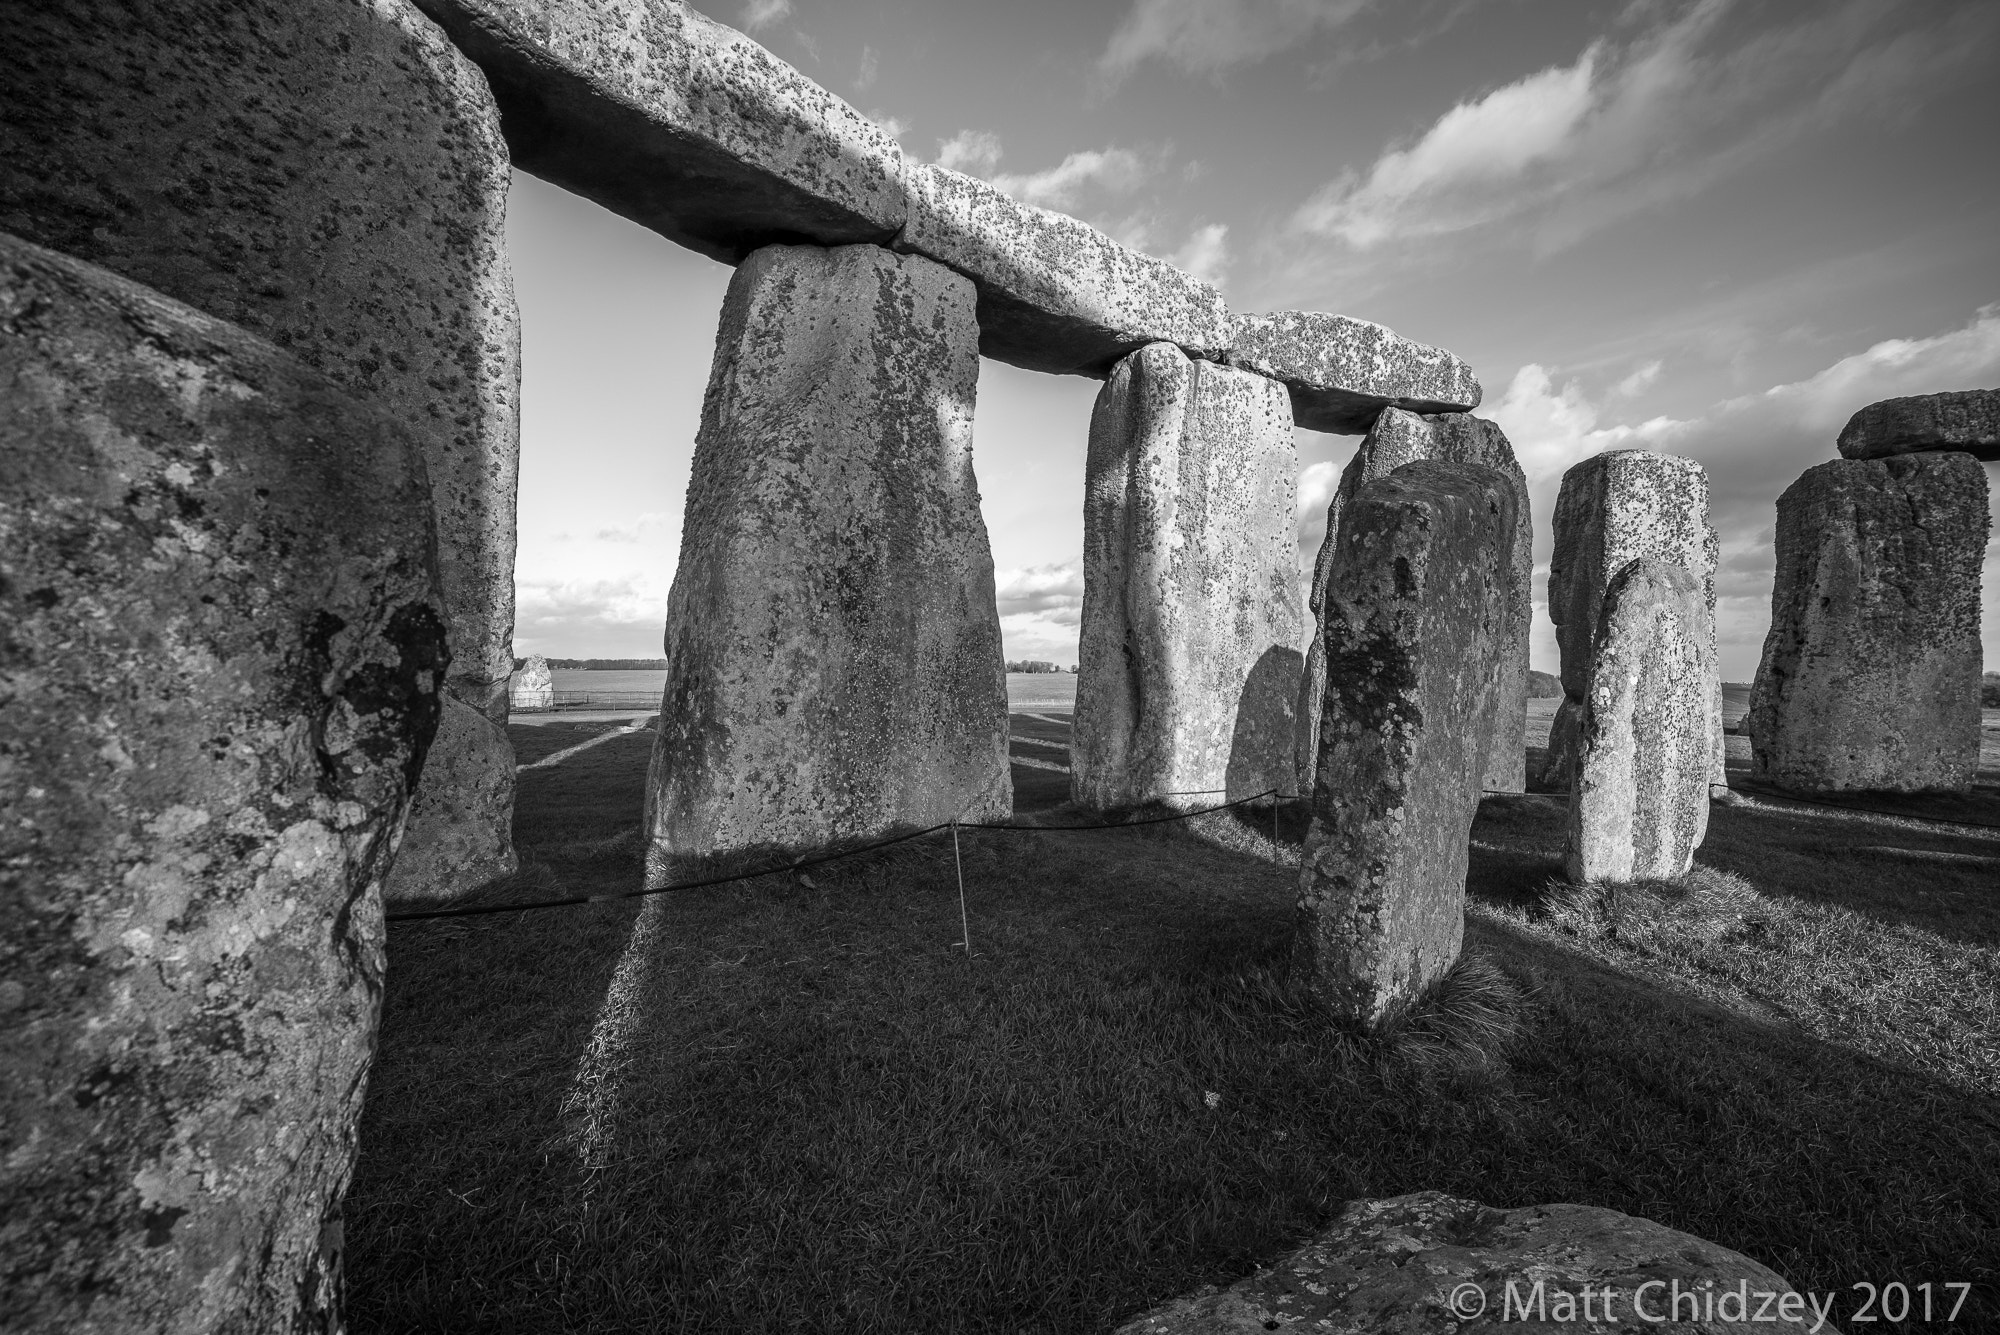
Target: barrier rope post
<point>964,925</point>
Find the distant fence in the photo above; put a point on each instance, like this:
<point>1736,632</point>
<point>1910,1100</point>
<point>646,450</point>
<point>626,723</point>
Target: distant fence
<point>593,700</point>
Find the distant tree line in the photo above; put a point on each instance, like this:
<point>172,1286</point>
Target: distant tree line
<point>604,664</point>
<point>1989,691</point>
<point>1035,665</point>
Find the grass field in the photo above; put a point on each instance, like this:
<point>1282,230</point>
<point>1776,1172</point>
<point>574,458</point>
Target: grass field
<point>798,1104</point>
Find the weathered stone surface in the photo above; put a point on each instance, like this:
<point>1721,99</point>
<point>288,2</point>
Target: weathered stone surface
<point>1188,661</point>
<point>533,686</point>
<point>451,821</point>
<point>1415,622</point>
<point>679,123</point>
<point>1870,673</point>
<point>328,174</point>
<point>1343,372</point>
<point>1398,438</point>
<point>833,648</point>
<point>221,655</point>
<point>1613,509</point>
<point>1055,294</point>
<point>1638,805</point>
<point>1967,420</point>
<point>1393,1267</point>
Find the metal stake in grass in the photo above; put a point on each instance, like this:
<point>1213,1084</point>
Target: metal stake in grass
<point>965,928</point>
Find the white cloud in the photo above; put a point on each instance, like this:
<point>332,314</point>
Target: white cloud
<point>893,126</point>
<point>974,151</point>
<point>864,78</point>
<point>1117,170</point>
<point>1206,254</point>
<point>1055,590</point>
<point>1210,36</point>
<point>762,13</point>
<point>1639,381</point>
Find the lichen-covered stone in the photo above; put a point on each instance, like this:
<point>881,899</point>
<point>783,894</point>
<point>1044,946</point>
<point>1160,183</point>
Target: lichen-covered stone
<point>1432,1264</point>
<point>1638,805</point>
<point>1398,438</point>
<point>833,648</point>
<point>451,823</point>
<point>328,174</point>
<point>1188,661</point>
<point>221,655</point>
<point>533,686</point>
<point>1055,294</point>
<point>1870,673</point>
<point>1415,622</point>
<point>679,123</point>
<point>1613,509</point>
<point>1343,372</point>
<point>1967,420</point>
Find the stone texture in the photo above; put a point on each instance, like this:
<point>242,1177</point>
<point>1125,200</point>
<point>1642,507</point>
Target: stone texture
<point>1638,804</point>
<point>1343,372</point>
<point>1392,1267</point>
<point>1415,623</point>
<point>328,174</point>
<point>220,661</point>
<point>533,687</point>
<point>679,123</point>
<point>1055,294</point>
<point>1967,419</point>
<point>1614,508</point>
<point>1398,438</point>
<point>1870,673</point>
<point>833,649</point>
<point>1188,661</point>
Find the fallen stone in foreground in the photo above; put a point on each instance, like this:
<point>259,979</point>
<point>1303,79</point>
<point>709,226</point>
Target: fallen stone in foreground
<point>1343,372</point>
<point>223,658</point>
<point>1638,804</point>
<point>1398,438</point>
<point>533,686</point>
<point>329,175</point>
<point>1415,623</point>
<point>679,123</point>
<point>1188,660</point>
<point>832,643</point>
<point>1869,678</point>
<point>1614,508</point>
<point>1967,420</point>
<point>1055,294</point>
<point>1432,1264</point>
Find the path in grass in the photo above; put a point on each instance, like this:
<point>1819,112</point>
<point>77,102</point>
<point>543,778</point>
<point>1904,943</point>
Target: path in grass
<point>789,1107</point>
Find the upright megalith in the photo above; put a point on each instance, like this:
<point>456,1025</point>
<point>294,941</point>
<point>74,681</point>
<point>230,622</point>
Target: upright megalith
<point>833,647</point>
<point>1188,661</point>
<point>533,687</point>
<point>1613,509</point>
<point>1638,804</point>
<point>1397,438</point>
<point>328,174</point>
<point>221,661</point>
<point>1415,622</point>
<point>1870,673</point>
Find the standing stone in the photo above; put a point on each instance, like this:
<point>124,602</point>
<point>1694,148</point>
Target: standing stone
<point>1415,624</point>
<point>328,174</point>
<point>1398,438</point>
<point>1638,806</point>
<point>1967,419</point>
<point>534,687</point>
<point>1188,658</point>
<point>833,647</point>
<point>1613,509</point>
<point>220,664</point>
<point>1870,673</point>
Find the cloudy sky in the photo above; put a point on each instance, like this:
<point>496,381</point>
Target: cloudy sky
<point>1712,228</point>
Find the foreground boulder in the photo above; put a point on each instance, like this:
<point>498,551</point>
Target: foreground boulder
<point>1613,509</point>
<point>328,174</point>
<point>533,686</point>
<point>221,664</point>
<point>679,123</point>
<point>1055,294</point>
<point>1432,1264</point>
<point>1966,420</point>
<point>1398,438</point>
<point>833,648</point>
<point>1415,623</point>
<point>1870,673</point>
<point>1188,657</point>
<point>1638,805</point>
<point>1343,372</point>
